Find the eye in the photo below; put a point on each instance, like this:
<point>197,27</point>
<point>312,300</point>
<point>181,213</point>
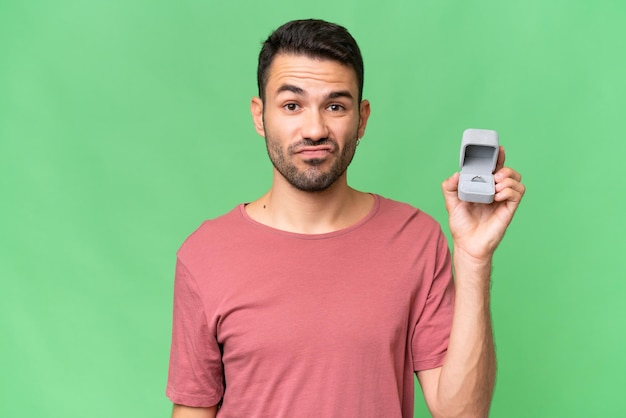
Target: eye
<point>336,107</point>
<point>291,107</point>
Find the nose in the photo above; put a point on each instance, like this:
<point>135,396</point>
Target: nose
<point>314,126</point>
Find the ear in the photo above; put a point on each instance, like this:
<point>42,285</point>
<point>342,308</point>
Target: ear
<point>256,108</point>
<point>364,112</point>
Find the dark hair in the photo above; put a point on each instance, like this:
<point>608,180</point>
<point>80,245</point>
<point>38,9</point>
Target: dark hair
<point>313,38</point>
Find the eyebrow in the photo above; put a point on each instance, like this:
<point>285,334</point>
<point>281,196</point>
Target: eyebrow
<point>341,93</point>
<point>291,88</point>
<point>300,92</point>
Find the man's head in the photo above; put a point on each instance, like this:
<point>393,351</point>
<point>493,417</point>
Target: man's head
<point>309,108</point>
<point>314,39</point>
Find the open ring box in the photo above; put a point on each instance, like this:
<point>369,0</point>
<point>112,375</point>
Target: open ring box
<point>479,155</point>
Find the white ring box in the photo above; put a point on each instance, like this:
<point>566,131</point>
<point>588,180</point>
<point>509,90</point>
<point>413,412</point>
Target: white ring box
<point>479,155</point>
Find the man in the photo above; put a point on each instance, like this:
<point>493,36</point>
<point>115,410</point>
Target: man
<point>318,300</point>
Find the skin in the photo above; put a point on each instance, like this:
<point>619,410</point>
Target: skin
<point>310,120</point>
<point>181,411</point>
<point>463,386</point>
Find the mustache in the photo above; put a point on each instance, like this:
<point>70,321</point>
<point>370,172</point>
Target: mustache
<point>306,142</point>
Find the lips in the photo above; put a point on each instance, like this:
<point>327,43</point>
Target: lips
<point>319,151</point>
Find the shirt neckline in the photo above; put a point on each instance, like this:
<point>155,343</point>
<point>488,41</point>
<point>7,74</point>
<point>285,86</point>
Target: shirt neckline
<point>326,235</point>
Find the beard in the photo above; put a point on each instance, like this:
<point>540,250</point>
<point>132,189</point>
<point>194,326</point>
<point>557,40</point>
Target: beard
<point>313,178</point>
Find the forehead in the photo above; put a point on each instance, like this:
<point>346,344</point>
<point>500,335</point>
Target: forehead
<point>310,73</point>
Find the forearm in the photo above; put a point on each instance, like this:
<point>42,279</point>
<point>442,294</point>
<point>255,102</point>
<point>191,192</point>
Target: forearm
<point>463,385</point>
<point>467,377</point>
<point>181,411</point>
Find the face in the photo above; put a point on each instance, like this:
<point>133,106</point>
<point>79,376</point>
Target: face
<point>311,120</point>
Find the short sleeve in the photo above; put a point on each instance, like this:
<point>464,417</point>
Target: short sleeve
<point>195,369</point>
<point>432,330</point>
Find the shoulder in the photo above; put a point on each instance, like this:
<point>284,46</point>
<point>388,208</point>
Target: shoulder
<point>400,212</point>
<point>211,232</point>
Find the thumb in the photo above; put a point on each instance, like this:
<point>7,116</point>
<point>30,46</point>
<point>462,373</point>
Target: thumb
<point>451,184</point>
<point>450,187</point>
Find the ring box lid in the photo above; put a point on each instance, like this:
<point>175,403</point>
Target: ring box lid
<point>479,155</point>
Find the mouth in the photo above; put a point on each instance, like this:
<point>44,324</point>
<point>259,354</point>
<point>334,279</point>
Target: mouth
<point>318,151</point>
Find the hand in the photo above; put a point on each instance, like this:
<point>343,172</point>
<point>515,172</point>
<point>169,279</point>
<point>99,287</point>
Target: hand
<point>477,228</point>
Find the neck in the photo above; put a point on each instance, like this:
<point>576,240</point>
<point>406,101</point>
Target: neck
<point>286,208</point>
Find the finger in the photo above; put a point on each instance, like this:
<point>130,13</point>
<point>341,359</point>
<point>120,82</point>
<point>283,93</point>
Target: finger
<point>509,190</point>
<point>450,188</point>
<point>507,172</point>
<point>451,184</point>
<point>509,195</point>
<point>510,183</point>
<point>501,158</point>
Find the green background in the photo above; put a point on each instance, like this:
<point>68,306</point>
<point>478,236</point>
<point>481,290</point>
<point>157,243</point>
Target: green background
<point>124,124</point>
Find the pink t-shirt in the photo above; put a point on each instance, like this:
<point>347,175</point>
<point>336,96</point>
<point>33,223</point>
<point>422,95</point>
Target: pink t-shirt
<point>279,324</point>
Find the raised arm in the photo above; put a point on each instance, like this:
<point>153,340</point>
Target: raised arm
<point>463,386</point>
